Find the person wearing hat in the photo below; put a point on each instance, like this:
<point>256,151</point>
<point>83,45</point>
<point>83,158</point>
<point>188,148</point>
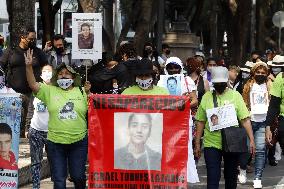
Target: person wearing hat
<point>276,64</point>
<point>67,126</point>
<point>256,97</point>
<point>212,140</point>
<point>145,76</point>
<point>174,66</point>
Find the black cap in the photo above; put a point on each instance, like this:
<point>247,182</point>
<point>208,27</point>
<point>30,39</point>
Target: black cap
<point>144,66</point>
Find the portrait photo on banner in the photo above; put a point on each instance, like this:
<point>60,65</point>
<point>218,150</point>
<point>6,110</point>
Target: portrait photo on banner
<point>172,83</point>
<point>221,117</point>
<point>138,141</point>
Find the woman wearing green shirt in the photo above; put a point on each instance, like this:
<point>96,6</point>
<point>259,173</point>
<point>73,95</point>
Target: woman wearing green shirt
<point>212,139</point>
<point>145,81</point>
<point>67,141</point>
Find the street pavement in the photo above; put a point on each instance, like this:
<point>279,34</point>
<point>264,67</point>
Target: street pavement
<point>273,177</point>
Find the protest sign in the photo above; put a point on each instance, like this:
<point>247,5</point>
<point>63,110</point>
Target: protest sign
<point>138,142</point>
<point>222,117</point>
<point>172,82</point>
<point>86,36</point>
<point>10,120</point>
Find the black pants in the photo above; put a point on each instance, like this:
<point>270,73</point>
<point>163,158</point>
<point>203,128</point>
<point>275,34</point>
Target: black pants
<point>213,159</point>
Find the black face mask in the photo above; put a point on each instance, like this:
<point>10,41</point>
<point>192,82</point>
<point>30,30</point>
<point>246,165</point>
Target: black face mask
<point>254,60</point>
<point>32,44</point>
<point>168,52</point>
<point>149,51</point>
<point>59,50</point>
<point>220,87</point>
<point>260,79</point>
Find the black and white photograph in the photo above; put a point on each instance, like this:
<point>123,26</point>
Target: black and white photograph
<point>138,141</point>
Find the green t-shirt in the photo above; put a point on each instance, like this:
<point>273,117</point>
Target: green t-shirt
<point>135,90</point>
<point>277,89</point>
<point>67,113</point>
<point>214,139</point>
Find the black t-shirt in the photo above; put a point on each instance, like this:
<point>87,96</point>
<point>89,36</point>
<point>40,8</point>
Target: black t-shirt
<point>13,62</point>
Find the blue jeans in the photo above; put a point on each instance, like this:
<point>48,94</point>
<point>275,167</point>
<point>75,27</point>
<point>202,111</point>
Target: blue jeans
<point>259,138</point>
<point>75,155</point>
<point>213,159</point>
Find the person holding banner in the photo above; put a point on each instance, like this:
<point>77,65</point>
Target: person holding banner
<point>7,157</point>
<point>67,140</point>
<point>145,80</point>
<point>233,109</point>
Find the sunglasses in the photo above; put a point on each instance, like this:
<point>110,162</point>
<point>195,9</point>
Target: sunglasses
<point>172,65</point>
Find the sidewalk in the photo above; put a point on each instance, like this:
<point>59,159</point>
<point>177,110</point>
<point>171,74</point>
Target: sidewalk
<point>24,163</point>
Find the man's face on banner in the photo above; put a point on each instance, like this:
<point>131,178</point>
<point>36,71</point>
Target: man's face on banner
<point>172,85</point>
<point>139,129</point>
<point>5,145</point>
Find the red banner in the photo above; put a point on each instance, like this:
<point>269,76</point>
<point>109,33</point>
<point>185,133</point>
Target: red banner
<point>138,142</point>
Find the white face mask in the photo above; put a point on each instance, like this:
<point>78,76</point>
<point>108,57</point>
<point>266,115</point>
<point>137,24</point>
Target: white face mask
<point>245,75</point>
<point>46,76</point>
<point>209,69</point>
<point>144,84</point>
<point>64,83</point>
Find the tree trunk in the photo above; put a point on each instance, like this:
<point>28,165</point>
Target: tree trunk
<point>108,23</point>
<point>90,6</point>
<point>143,26</point>
<point>21,14</point>
<point>48,12</point>
<point>238,27</point>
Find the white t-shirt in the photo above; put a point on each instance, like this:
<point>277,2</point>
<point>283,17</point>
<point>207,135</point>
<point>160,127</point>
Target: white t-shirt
<point>187,85</point>
<point>259,102</point>
<point>40,117</point>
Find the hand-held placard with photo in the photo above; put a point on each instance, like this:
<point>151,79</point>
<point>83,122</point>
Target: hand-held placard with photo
<point>86,36</point>
<point>222,117</point>
<point>172,83</point>
<point>10,120</point>
<point>136,141</point>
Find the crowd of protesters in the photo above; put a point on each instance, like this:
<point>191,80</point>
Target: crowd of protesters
<point>51,72</point>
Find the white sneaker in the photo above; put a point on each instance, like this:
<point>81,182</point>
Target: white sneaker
<point>257,184</point>
<point>242,176</point>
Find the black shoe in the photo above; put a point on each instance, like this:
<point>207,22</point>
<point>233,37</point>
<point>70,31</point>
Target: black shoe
<point>273,163</point>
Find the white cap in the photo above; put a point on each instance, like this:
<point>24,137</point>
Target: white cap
<point>278,58</point>
<point>174,60</point>
<point>219,74</point>
<point>199,53</point>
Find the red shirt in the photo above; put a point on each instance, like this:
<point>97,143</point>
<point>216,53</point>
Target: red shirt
<point>12,164</point>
